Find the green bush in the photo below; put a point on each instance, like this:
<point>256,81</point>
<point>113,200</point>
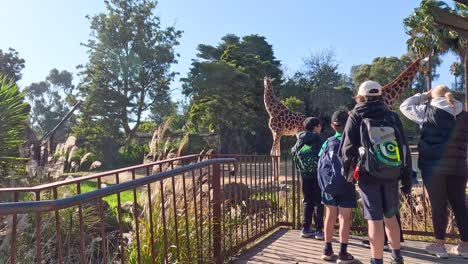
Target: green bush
<point>133,154</point>
<point>147,127</point>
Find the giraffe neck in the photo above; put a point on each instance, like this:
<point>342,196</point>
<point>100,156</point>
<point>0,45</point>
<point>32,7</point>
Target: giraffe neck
<point>394,89</point>
<point>272,103</point>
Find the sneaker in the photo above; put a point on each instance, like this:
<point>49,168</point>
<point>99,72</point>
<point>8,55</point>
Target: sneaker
<point>460,251</point>
<point>319,235</point>
<point>397,261</point>
<point>366,243</point>
<point>307,233</point>
<point>345,258</point>
<point>438,251</point>
<point>328,255</point>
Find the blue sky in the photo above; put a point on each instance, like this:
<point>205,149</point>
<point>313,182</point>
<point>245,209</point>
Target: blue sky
<point>47,33</point>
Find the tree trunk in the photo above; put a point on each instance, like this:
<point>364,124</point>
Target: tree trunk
<point>429,73</point>
<point>465,66</point>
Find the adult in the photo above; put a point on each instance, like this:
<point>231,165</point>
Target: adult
<point>442,161</point>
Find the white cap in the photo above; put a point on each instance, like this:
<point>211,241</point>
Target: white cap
<point>370,88</point>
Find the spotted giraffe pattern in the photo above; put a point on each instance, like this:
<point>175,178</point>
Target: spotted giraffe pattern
<point>284,122</point>
<point>394,89</point>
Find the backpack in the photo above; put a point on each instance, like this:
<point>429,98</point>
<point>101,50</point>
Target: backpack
<point>382,153</point>
<point>306,161</point>
<point>329,174</point>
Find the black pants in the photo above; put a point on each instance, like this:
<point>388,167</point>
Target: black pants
<point>312,204</point>
<point>442,187</point>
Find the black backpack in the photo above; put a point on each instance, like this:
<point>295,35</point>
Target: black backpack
<point>382,152</point>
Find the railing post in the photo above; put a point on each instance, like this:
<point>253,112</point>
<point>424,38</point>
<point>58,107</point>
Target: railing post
<point>218,256</point>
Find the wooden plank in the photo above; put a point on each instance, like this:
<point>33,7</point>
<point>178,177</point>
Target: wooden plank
<point>286,246</point>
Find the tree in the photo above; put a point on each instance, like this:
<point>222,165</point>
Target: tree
<point>320,80</point>
<point>457,23</point>
<point>225,84</point>
<point>426,39</point>
<point>50,100</point>
<point>162,107</point>
<point>382,70</point>
<point>11,65</point>
<point>294,104</point>
<point>13,121</point>
<point>457,70</point>
<point>220,104</point>
<point>130,55</point>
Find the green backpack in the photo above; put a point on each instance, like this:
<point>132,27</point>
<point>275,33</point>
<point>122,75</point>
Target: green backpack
<point>306,161</point>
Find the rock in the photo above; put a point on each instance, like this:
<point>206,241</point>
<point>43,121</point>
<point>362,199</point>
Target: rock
<point>129,208</point>
<point>256,206</point>
<point>96,164</point>
<point>235,192</point>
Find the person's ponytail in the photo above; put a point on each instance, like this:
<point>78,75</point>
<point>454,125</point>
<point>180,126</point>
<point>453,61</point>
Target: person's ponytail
<point>449,98</point>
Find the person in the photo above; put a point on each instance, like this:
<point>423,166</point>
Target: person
<point>442,160</point>
<point>374,150</point>
<point>338,195</point>
<point>366,243</point>
<point>305,154</point>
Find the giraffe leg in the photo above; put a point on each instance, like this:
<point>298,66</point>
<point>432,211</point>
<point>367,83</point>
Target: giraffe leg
<point>275,155</point>
<point>276,148</point>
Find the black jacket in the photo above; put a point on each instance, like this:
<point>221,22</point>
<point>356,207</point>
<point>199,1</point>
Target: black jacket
<point>349,148</point>
<point>308,138</point>
<point>444,140</point>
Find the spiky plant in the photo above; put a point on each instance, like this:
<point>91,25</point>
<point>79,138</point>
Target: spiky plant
<point>13,120</point>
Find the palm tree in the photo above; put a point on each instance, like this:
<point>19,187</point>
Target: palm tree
<point>456,69</point>
<point>456,20</point>
<point>13,120</point>
<point>426,38</point>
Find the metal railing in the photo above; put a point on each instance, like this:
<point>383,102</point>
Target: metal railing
<point>164,212</point>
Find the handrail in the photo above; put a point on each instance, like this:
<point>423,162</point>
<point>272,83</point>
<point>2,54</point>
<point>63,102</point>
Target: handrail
<point>92,176</point>
<point>50,205</point>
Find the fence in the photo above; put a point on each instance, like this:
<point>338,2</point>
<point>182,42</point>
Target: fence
<point>191,209</point>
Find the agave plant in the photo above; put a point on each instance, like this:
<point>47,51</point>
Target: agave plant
<point>13,120</point>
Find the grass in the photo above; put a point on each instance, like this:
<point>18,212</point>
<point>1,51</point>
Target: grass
<point>125,196</point>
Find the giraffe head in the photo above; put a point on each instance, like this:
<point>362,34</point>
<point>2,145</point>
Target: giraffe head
<point>267,82</point>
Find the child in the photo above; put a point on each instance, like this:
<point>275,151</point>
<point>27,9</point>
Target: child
<point>305,155</point>
<point>338,195</point>
<point>375,136</point>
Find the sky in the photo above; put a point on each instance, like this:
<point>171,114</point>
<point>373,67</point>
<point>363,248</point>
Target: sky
<point>48,33</point>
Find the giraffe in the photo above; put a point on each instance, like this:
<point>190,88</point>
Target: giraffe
<point>394,89</point>
<point>284,122</point>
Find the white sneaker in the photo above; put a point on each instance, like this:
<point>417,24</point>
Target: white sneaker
<point>438,251</point>
<point>460,251</point>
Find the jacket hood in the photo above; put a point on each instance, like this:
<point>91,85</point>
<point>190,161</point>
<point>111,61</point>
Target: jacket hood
<point>441,103</point>
<point>371,109</point>
<point>306,137</point>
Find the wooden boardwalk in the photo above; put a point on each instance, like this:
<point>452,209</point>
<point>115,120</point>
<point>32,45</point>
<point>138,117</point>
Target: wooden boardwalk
<point>286,246</point>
